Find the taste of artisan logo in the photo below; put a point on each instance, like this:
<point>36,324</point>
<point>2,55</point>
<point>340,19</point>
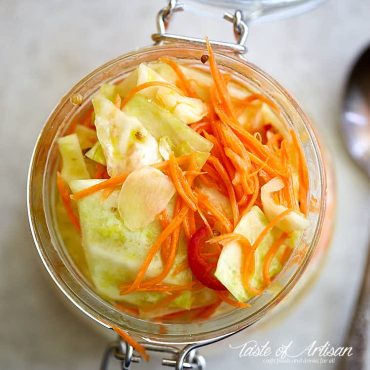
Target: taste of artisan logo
<point>287,353</point>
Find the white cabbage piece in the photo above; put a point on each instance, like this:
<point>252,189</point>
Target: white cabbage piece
<point>140,75</point>
<point>160,122</point>
<point>145,193</point>
<point>86,136</point>
<point>126,144</point>
<point>228,269</point>
<point>294,221</point>
<point>96,154</point>
<point>114,253</point>
<point>73,163</point>
<point>165,147</point>
<point>109,91</point>
<point>187,109</point>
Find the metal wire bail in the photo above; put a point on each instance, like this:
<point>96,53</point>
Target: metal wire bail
<point>239,26</point>
<point>186,359</point>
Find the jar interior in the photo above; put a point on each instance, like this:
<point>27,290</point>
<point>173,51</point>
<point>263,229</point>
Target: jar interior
<point>66,265</point>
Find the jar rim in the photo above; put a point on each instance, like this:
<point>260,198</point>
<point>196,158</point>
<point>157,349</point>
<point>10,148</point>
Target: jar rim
<point>69,280</point>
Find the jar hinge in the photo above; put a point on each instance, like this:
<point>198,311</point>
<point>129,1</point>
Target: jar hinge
<point>239,25</point>
<point>186,358</point>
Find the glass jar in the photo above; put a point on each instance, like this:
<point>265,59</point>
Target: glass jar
<point>177,339</point>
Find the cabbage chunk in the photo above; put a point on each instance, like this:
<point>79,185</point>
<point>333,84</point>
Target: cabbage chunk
<point>162,123</point>
<point>96,154</point>
<point>73,163</point>
<point>126,144</point>
<point>86,136</point>
<point>228,269</point>
<point>294,221</point>
<point>187,109</point>
<point>115,253</point>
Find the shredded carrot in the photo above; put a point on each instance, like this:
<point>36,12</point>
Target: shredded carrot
<point>180,267</point>
<point>113,181</point>
<point>165,221</point>
<point>224,177</point>
<point>225,296</point>
<point>207,311</point>
<point>303,174</point>
<point>218,214</point>
<point>248,268</point>
<point>260,168</point>
<point>218,152</point>
<point>227,237</point>
<point>65,196</point>
<point>146,85</point>
<point>181,184</point>
<point>181,160</point>
<point>132,342</point>
<point>183,81</point>
<point>270,255</point>
<point>191,220</point>
<point>254,196</point>
<point>159,288</point>
<point>118,101</point>
<point>241,168</point>
<point>107,192</point>
<point>286,255</point>
<point>199,126</point>
<point>267,168</point>
<point>221,88</point>
<point>288,181</point>
<point>246,137</point>
<point>269,227</point>
<point>251,98</point>
<point>175,222</point>
<point>171,253</point>
<point>127,309</point>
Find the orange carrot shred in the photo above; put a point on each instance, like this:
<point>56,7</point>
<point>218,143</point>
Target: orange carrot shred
<point>269,227</point>
<point>165,221</point>
<point>219,82</point>
<point>65,196</point>
<point>173,225</point>
<point>183,81</point>
<point>224,177</point>
<point>303,174</point>
<point>113,181</point>
<point>132,342</point>
<point>181,184</point>
<point>270,255</point>
<point>232,302</point>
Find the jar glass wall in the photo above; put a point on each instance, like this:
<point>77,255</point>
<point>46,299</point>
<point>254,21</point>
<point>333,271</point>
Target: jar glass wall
<point>52,250</point>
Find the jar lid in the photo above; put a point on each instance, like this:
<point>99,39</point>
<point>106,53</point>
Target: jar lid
<point>255,9</point>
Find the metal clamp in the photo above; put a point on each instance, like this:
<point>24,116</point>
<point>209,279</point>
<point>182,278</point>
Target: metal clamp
<point>187,358</point>
<point>165,14</point>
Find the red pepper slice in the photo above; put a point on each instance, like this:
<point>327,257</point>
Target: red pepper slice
<point>202,259</point>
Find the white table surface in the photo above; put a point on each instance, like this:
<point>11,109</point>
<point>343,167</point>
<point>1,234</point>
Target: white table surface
<point>46,46</point>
